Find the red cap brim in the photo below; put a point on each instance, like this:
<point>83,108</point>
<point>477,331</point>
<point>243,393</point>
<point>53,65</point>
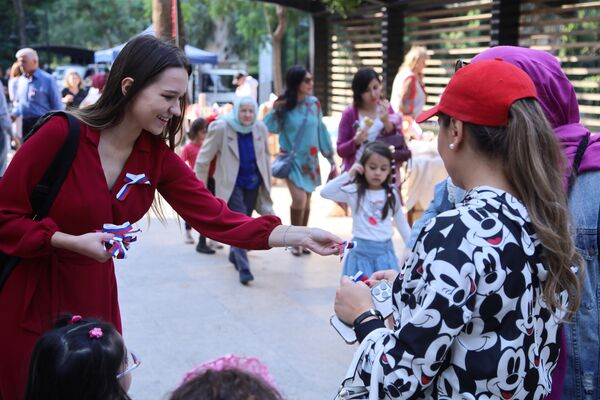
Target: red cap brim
<point>424,116</point>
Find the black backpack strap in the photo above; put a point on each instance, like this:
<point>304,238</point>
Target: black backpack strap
<point>577,162</point>
<point>45,192</point>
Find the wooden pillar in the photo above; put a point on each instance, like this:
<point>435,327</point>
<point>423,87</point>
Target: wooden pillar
<point>393,46</point>
<point>319,59</point>
<point>505,22</point>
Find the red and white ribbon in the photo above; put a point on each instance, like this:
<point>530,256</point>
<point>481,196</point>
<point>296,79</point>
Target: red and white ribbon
<point>124,235</point>
<point>360,276</point>
<point>345,247</point>
<point>131,179</point>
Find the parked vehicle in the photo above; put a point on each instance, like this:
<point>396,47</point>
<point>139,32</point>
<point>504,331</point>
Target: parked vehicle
<point>218,85</point>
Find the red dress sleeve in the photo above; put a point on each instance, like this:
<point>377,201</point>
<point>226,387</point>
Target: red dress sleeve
<point>206,213</point>
<point>19,234</point>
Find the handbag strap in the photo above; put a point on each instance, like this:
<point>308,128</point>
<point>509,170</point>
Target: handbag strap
<point>300,130</point>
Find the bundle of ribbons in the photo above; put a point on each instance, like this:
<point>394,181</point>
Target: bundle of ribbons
<point>124,235</point>
<point>344,247</point>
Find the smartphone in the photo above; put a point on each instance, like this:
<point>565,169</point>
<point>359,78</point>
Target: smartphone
<point>345,331</point>
<point>381,294</point>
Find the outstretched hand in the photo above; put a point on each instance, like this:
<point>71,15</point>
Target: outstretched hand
<point>322,242</point>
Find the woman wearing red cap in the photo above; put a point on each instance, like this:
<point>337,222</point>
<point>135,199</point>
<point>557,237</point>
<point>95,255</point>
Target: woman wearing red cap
<point>479,302</point>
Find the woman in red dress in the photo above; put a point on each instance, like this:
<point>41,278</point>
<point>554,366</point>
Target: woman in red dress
<point>64,265</point>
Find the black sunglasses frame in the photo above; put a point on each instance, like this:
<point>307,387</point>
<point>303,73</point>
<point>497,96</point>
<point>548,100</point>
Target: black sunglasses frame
<point>459,64</point>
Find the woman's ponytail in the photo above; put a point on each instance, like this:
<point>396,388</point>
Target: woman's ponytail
<point>533,163</point>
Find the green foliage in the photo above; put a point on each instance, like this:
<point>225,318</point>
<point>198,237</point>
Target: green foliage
<point>92,24</point>
<point>252,22</point>
<point>97,24</point>
<point>198,23</point>
<point>342,7</point>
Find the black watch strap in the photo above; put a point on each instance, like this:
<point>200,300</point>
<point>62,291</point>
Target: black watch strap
<point>367,314</point>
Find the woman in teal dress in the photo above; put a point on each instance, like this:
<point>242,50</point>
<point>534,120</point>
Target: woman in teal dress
<point>295,113</point>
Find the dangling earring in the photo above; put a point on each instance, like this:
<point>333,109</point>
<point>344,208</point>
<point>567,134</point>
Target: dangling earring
<point>451,146</point>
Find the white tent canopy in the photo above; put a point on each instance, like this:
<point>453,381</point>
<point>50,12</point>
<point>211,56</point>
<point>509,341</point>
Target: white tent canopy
<point>194,54</point>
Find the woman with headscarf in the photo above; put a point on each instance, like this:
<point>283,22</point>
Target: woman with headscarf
<point>558,100</point>
<point>243,170</point>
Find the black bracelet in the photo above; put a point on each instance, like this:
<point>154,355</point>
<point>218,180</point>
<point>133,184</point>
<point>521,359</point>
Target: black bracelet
<point>367,314</point>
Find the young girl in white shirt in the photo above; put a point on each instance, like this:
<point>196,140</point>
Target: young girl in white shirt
<point>374,200</point>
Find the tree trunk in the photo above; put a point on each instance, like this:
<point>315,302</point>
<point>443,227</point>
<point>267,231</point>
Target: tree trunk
<point>277,39</point>
<point>162,19</point>
<point>20,13</point>
<point>180,29</point>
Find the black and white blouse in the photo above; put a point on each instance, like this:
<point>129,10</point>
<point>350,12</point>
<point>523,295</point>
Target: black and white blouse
<point>471,322</point>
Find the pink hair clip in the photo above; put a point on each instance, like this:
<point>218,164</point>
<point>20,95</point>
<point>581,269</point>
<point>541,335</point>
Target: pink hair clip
<point>250,365</point>
<point>95,333</point>
<point>75,319</point>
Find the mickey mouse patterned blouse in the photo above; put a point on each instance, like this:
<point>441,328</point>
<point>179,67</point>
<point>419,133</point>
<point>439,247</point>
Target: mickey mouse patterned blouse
<point>471,322</point>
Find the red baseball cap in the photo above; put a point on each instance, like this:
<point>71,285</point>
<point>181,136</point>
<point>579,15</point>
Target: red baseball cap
<point>482,92</point>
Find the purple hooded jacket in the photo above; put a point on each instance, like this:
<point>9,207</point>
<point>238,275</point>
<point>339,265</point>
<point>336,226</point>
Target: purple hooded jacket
<point>556,95</point>
<point>557,98</point>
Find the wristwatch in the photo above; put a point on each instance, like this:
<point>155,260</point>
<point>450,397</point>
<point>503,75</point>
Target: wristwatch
<point>371,312</point>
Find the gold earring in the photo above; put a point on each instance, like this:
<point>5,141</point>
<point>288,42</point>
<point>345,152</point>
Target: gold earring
<point>451,146</point>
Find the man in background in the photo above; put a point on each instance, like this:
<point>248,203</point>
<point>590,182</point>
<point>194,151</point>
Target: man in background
<point>36,91</point>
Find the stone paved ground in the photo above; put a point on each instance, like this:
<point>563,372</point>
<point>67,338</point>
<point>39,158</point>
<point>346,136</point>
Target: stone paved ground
<point>181,308</point>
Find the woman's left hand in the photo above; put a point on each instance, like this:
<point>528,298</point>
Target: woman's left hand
<point>322,242</point>
<point>351,300</point>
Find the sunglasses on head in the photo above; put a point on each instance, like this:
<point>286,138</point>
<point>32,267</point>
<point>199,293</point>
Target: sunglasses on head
<point>459,64</point>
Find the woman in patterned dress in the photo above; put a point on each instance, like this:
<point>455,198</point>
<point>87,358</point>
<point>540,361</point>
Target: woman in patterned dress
<point>295,113</point>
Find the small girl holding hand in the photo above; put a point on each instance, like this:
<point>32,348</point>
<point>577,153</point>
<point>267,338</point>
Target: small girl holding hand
<point>374,200</point>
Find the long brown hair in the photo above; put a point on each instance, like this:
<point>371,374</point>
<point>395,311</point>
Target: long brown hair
<point>533,163</point>
<point>143,59</point>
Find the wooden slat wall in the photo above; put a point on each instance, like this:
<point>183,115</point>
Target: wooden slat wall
<point>571,32</point>
<point>449,31</point>
<point>461,29</point>
<point>354,42</point>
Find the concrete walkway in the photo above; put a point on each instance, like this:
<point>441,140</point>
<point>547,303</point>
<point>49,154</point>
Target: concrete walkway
<point>181,308</point>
